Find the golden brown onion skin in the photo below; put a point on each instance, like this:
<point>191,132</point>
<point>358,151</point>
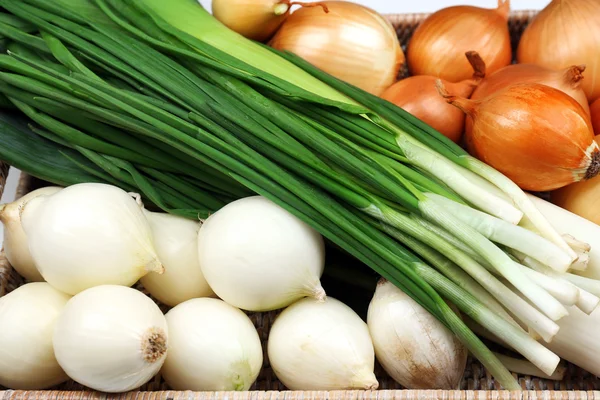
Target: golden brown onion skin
<point>351,42</point>
<point>565,33</point>
<point>595,114</point>
<point>254,19</point>
<point>538,136</point>
<point>439,44</point>
<point>581,198</point>
<point>419,96</point>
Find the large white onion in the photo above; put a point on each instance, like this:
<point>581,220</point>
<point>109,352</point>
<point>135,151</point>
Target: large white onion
<point>27,318</point>
<point>321,346</point>
<point>15,243</point>
<point>414,348</point>
<point>89,234</point>
<point>176,243</point>
<point>212,347</point>
<point>111,338</point>
<point>257,256</point>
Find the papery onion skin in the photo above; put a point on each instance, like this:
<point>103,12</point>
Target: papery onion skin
<point>89,234</point>
<point>27,317</point>
<point>595,115</point>
<point>439,43</point>
<point>254,19</point>
<point>321,346</point>
<point>538,136</point>
<point>418,95</point>
<point>213,346</point>
<point>567,80</point>
<point>16,247</point>
<point>111,338</point>
<point>415,349</point>
<point>257,256</point>
<point>581,198</point>
<point>176,242</point>
<point>351,42</point>
<point>564,33</point>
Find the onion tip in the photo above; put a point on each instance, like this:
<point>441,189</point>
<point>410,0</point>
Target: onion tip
<point>2,207</point>
<point>319,294</point>
<point>281,8</point>
<point>503,8</point>
<point>311,4</point>
<point>155,266</point>
<point>466,105</point>
<point>574,75</point>
<point>477,63</point>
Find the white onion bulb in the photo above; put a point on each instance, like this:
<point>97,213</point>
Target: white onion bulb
<point>111,338</point>
<point>321,346</point>
<point>16,247</point>
<point>413,347</point>
<point>176,243</point>
<point>27,318</point>
<point>257,256</point>
<point>212,347</point>
<point>89,234</point>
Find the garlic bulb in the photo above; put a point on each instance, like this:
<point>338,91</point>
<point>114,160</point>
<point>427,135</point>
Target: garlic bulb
<point>413,347</point>
<point>256,256</point>
<point>111,338</point>
<point>27,317</point>
<point>212,346</point>
<point>89,234</point>
<point>16,247</point>
<point>176,243</point>
<point>321,346</point>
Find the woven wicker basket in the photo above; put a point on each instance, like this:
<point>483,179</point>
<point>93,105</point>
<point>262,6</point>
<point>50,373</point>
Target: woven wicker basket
<point>476,383</point>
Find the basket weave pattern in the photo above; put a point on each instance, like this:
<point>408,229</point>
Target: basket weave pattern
<point>476,383</point>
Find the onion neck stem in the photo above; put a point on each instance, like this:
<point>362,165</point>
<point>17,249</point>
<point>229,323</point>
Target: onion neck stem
<point>281,8</point>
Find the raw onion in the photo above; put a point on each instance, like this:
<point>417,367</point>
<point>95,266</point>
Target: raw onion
<point>538,136</point>
<point>418,95</point>
<point>564,33</point>
<point>581,198</point>
<point>595,114</point>
<point>350,42</point>
<point>567,80</point>
<point>438,45</point>
<point>254,19</point>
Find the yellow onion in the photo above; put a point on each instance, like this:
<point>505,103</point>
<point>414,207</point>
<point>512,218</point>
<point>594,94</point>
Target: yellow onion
<point>564,33</point>
<point>438,45</point>
<point>418,95</point>
<point>581,198</point>
<point>350,41</point>
<point>595,114</point>
<point>567,80</point>
<point>538,136</point>
<point>254,19</point>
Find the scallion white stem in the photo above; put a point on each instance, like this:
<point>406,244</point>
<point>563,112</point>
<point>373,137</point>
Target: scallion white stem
<point>520,199</point>
<point>441,167</point>
<point>435,212</point>
<point>510,235</point>
<point>526,368</point>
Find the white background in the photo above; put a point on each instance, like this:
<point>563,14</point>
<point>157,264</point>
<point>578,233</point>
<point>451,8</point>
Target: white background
<point>382,6</point>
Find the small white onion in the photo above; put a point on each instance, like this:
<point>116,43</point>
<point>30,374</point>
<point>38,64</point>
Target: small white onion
<point>258,257</point>
<point>27,318</point>
<point>212,346</point>
<point>176,243</point>
<point>111,338</point>
<point>321,346</point>
<point>413,347</point>
<point>16,247</point>
<point>89,234</point>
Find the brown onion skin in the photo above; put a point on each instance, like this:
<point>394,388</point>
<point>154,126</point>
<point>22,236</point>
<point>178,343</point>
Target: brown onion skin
<point>595,114</point>
<point>581,198</point>
<point>351,42</point>
<point>438,45</point>
<point>567,80</point>
<point>566,32</point>
<point>536,135</point>
<point>254,19</point>
<point>418,96</point>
